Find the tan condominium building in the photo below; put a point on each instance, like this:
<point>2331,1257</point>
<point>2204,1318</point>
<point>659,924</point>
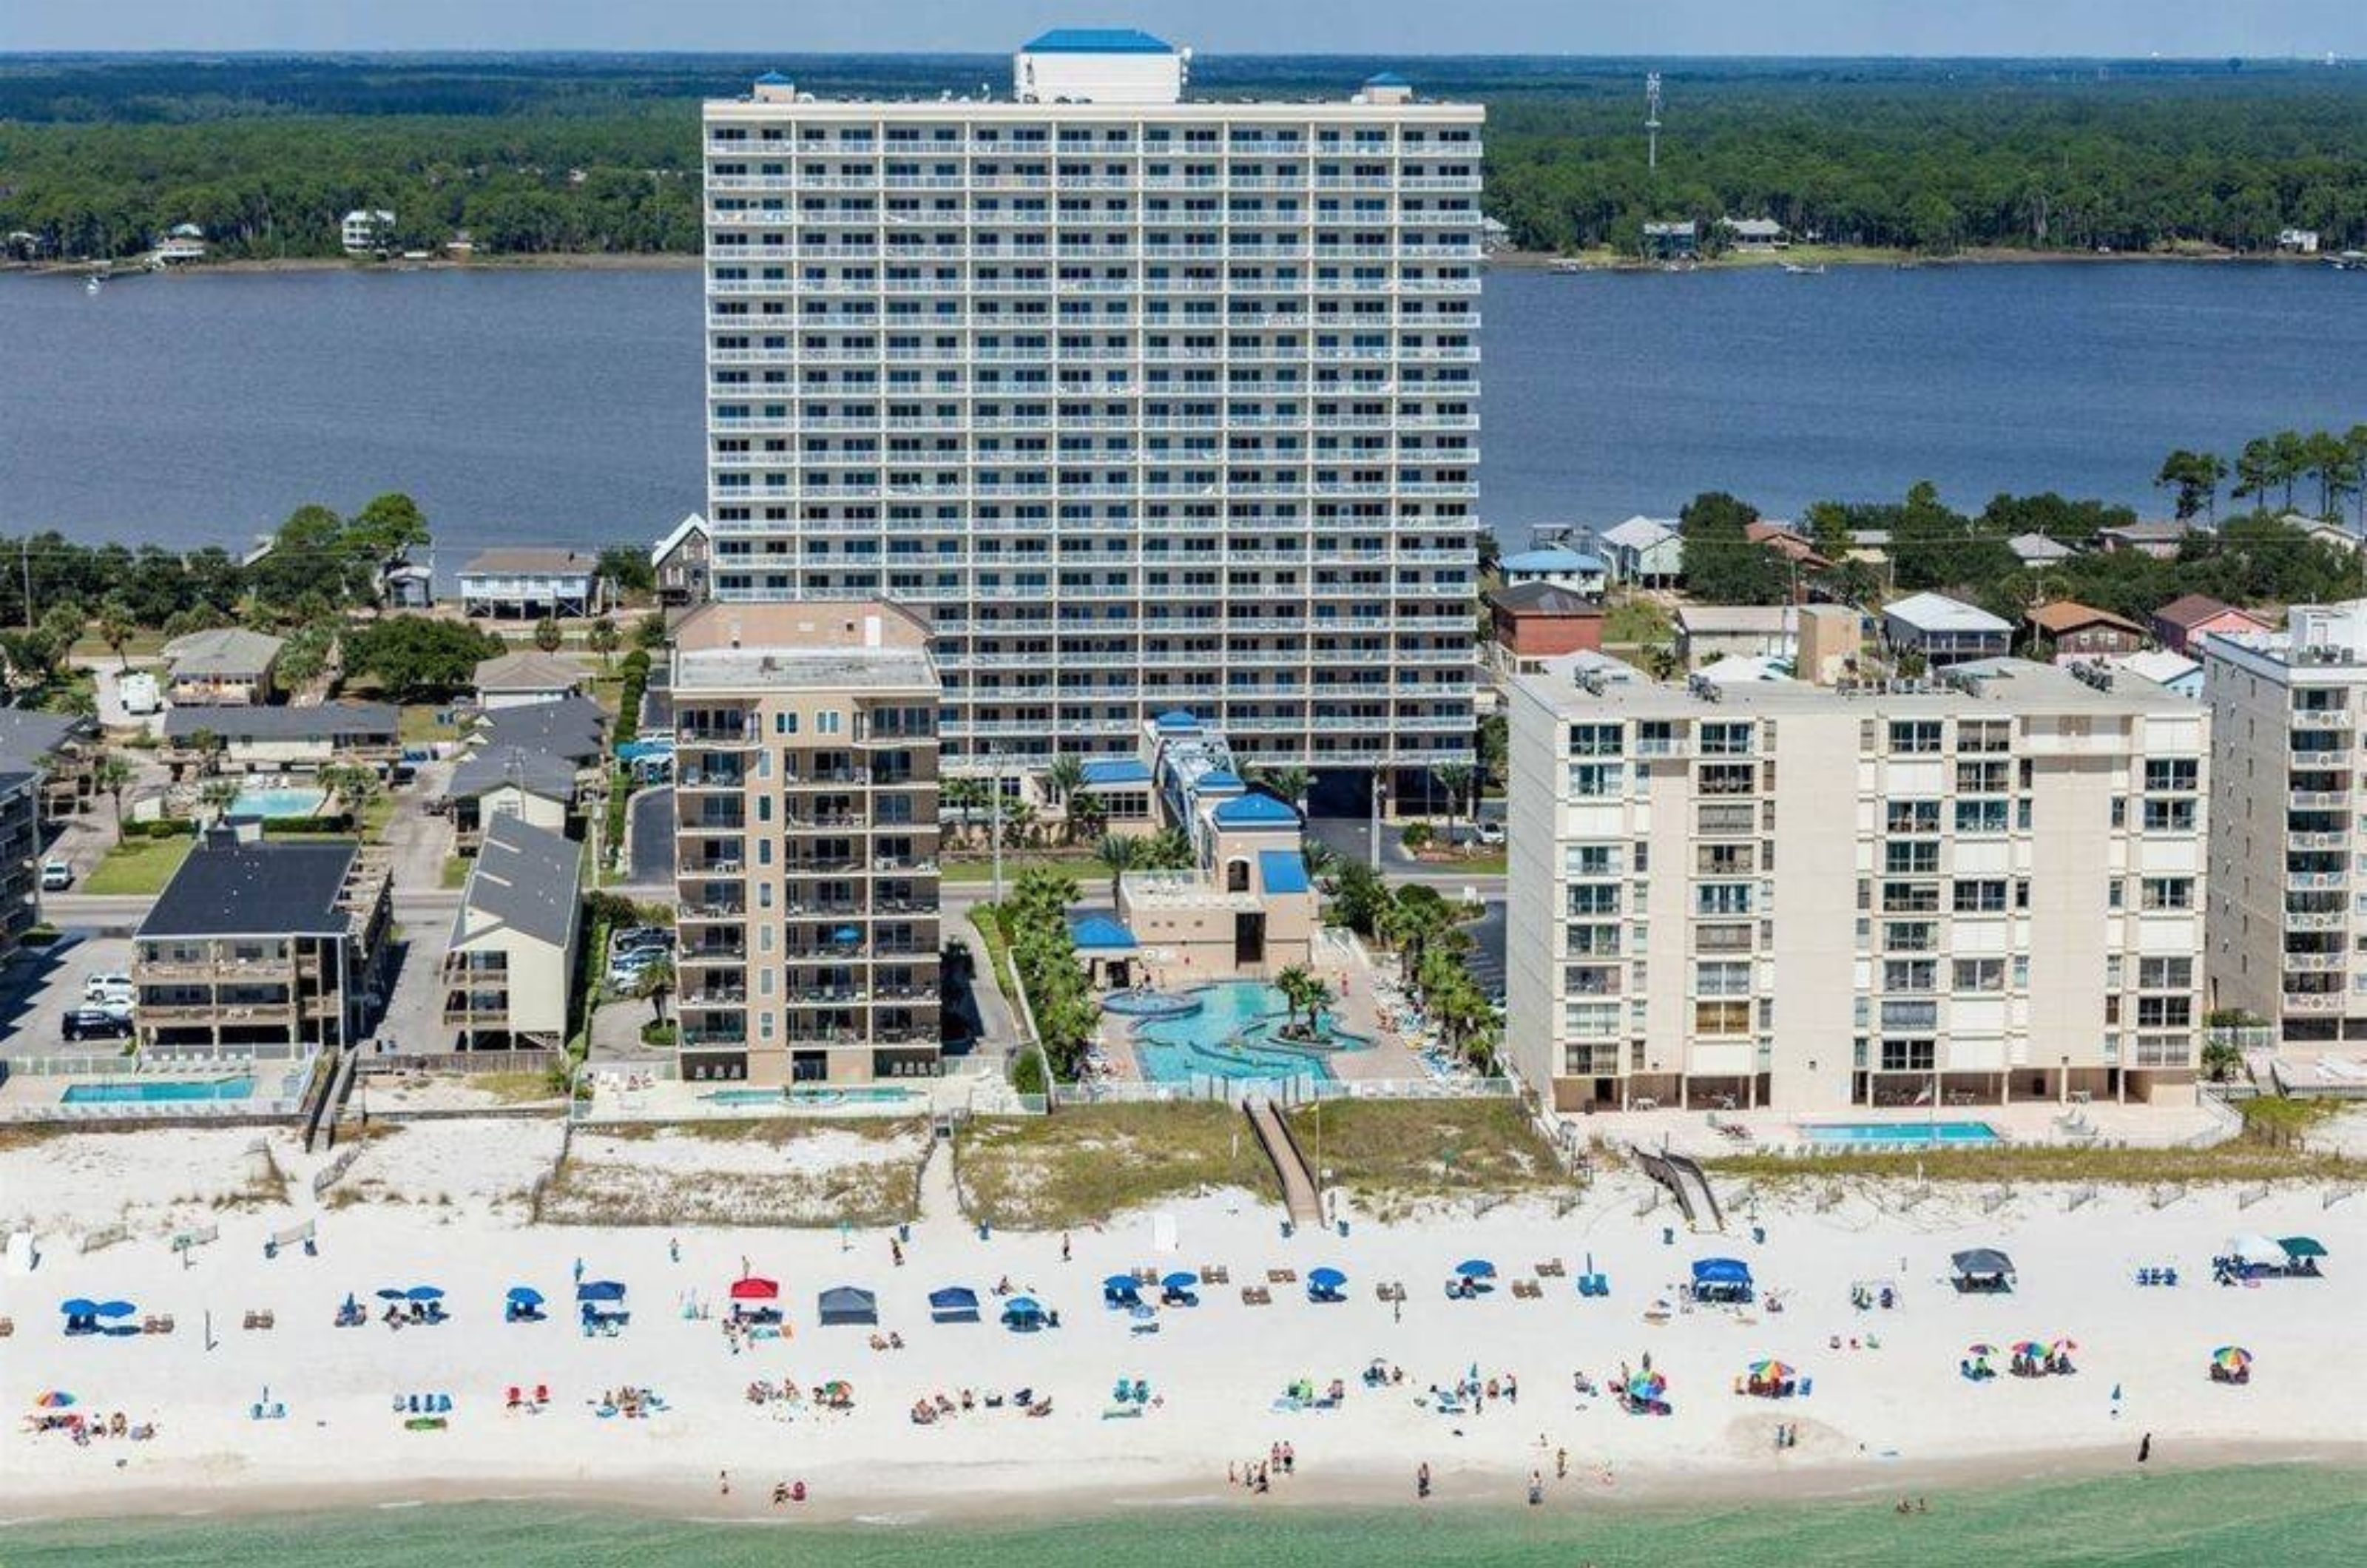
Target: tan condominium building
<point>1962,891</point>
<point>806,843</point>
<point>2288,837</point>
<point>1153,400</point>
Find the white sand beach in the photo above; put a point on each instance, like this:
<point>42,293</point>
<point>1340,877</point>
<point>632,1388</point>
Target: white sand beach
<point>444,1204</point>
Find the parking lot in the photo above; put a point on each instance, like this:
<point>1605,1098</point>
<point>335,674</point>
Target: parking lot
<point>40,983</point>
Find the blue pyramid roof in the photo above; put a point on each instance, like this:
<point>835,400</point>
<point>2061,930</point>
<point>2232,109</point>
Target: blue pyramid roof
<point>1099,932</point>
<point>1255,811</point>
<point>1387,79</point>
<point>771,79</point>
<point>1176,718</point>
<point>1218,781</point>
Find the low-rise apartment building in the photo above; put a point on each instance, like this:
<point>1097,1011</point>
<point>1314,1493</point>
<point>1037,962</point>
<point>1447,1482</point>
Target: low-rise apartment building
<point>276,739</point>
<point>806,843</point>
<point>1969,890</point>
<point>258,942</point>
<point>510,967</point>
<point>2288,919</point>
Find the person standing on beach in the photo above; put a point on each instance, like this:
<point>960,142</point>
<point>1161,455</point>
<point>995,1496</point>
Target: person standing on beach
<point>1421,1480</point>
<point>1561,1464</point>
<point>723,1482</point>
<point>2145,1447</point>
<point>1064,1246</point>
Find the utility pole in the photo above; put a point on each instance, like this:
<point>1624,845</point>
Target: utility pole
<point>994,814</point>
<point>1372,827</point>
<point>25,559</point>
<point>1652,121</point>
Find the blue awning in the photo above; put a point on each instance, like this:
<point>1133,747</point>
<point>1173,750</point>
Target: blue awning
<point>953,1296</point>
<point>600,1291</point>
<point>1283,871</point>
<point>1721,1271</point>
<point>1097,932</point>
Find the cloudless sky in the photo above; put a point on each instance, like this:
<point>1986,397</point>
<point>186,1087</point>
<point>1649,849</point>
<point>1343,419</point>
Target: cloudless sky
<point>2208,29</point>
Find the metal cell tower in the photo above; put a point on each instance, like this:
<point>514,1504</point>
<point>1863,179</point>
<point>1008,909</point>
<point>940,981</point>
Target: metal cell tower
<point>1652,119</point>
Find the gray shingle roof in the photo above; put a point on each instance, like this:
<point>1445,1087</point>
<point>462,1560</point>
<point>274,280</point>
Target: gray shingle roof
<point>537,772</point>
<point>528,878</point>
<point>570,727</point>
<point>260,889</point>
<point>225,651</point>
<point>323,721</point>
<point>532,562</point>
<point>25,734</point>
<point>532,671</point>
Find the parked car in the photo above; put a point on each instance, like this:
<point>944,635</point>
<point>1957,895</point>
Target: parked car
<point>56,877</point>
<point>97,1023</point>
<point>641,939</point>
<point>103,987</point>
<point>1492,834</point>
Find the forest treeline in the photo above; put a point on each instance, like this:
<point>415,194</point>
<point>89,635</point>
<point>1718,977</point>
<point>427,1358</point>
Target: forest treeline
<point>100,157</point>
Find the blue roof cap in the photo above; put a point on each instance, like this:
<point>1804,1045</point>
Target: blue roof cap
<point>1097,932</point>
<point>1218,781</point>
<point>1283,871</point>
<point>1097,40</point>
<point>771,79</point>
<point>1387,79</point>
<point>1254,811</point>
<point>1117,771</point>
<point>1176,718</point>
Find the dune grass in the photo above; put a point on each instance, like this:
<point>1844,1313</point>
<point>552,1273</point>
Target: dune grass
<point>1081,1165</point>
<point>2245,1159</point>
<point>1391,1156</point>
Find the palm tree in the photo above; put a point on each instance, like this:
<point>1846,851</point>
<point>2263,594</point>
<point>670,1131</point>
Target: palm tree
<point>116,629</point>
<point>963,795</point>
<point>603,639</point>
<point>218,796</point>
<point>546,635</point>
<point>208,745</point>
<point>1169,848</point>
<point>1066,776</point>
<point>114,776</point>
<point>1120,853</point>
<point>1318,998</point>
<point>1294,983</point>
<point>1456,777</point>
<point>1321,858</point>
<point>1288,783</point>
<point>653,984</point>
<point>1018,824</point>
<point>357,787</point>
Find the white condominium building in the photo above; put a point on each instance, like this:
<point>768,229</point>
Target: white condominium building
<point>1150,404</point>
<point>1983,888</point>
<point>2287,915</point>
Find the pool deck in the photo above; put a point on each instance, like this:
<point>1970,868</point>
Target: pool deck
<point>1352,1012</point>
<point>2024,1121</point>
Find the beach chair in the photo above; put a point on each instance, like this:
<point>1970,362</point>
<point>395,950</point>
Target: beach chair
<point>1551,1269</point>
<point>1282,1276</point>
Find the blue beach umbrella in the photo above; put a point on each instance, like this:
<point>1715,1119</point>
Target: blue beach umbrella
<point>425,1293</point>
<point>393,1293</point>
<point>600,1291</point>
<point>1326,1279</point>
<point>79,1307</point>
<point>1475,1268</point>
<point>524,1296</point>
<point>115,1309</point>
<point>1121,1283</point>
<point>1181,1280</point>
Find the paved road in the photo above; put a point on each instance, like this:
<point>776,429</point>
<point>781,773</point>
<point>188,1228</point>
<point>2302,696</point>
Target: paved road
<point>124,911</point>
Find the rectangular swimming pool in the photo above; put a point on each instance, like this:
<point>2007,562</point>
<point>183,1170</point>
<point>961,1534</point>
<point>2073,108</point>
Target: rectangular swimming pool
<point>277,803</point>
<point>151,1091</point>
<point>1900,1134</point>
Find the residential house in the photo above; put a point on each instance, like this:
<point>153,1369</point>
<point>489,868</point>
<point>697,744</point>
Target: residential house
<point>1705,632</point>
<point>261,942</point>
<point>274,739</point>
<point>61,747</point>
<point>680,561</point>
<point>1944,631</point>
<point>2298,242</point>
<point>1645,552</point>
<point>573,727</point>
<point>1672,242</point>
<point>402,585</point>
<point>1787,542</point>
<point>2038,550</point>
<point>228,666</point>
<point>496,781</point>
<point>2170,671</point>
<point>182,242</point>
<point>1754,233</point>
<point>2079,632</point>
<point>2159,540</point>
<point>1537,620</point>
<point>532,584</point>
<point>366,231</point>
<point>1557,567</point>
<point>514,680</point>
<point>2181,625</point>
<point>511,964</point>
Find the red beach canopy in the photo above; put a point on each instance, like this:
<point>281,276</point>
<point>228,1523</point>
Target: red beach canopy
<point>754,1290</point>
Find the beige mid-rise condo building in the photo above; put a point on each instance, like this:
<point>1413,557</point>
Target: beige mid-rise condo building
<point>806,843</point>
<point>1980,889</point>
<point>2288,840</point>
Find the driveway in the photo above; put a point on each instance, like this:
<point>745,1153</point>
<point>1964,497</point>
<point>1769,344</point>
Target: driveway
<point>420,842</point>
<point>651,841</point>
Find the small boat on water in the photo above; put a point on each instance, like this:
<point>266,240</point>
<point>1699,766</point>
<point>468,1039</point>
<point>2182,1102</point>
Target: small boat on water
<point>1795,270</point>
<point>1567,264</point>
<point>92,284</point>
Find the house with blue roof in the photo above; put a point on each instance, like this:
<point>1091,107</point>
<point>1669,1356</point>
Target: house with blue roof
<point>1557,566</point>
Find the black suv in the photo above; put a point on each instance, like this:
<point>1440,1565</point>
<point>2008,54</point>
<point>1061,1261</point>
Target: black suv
<point>96,1023</point>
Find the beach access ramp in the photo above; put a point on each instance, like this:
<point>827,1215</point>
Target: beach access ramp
<point>1300,1196</point>
<point>1685,1179</point>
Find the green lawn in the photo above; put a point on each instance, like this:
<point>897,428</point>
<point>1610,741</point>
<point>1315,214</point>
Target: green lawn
<point>416,724</point>
<point>139,865</point>
<point>455,871</point>
<point>1637,621</point>
<point>1084,868</point>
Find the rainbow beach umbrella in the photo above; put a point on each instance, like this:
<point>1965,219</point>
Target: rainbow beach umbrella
<point>2030,1348</point>
<point>2234,1358</point>
<point>1647,1385</point>
<point>55,1399</point>
<point>2064,1347</point>
<point>1771,1370</point>
<point>1980,1350</point>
